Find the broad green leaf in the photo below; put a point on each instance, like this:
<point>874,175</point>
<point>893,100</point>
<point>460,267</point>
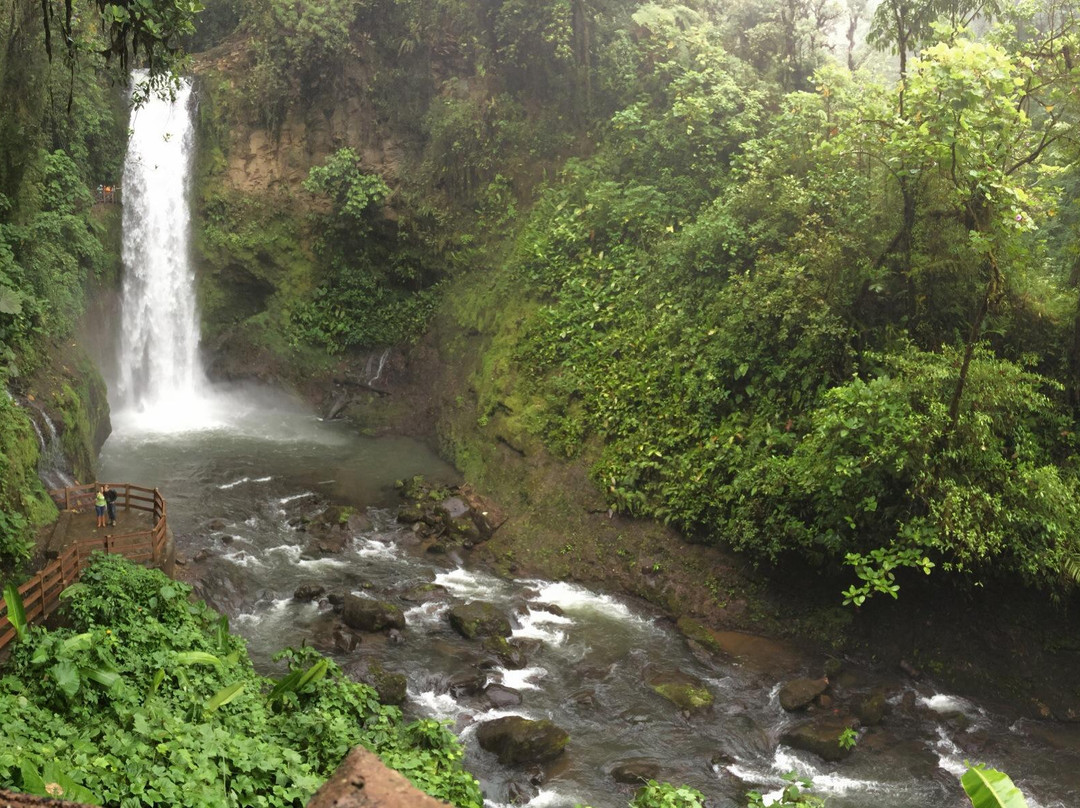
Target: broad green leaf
<point>80,642</point>
<point>197,658</point>
<point>15,612</point>
<point>73,590</point>
<point>10,301</point>
<point>104,677</point>
<point>988,788</point>
<point>66,676</point>
<point>224,696</point>
<point>32,783</point>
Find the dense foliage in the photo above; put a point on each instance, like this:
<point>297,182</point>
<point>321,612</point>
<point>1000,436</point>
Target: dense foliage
<point>147,699</point>
<point>810,300</point>
<point>828,323</point>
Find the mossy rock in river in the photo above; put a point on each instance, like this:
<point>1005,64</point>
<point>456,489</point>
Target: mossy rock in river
<point>479,619</point>
<point>682,690</point>
<point>521,740</point>
<point>821,736</point>
<point>365,614</point>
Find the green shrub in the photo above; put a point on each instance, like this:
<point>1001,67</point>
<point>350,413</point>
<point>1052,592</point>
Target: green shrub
<point>148,699</point>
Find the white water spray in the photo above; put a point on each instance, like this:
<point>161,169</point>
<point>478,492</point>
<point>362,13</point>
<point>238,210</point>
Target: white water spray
<point>160,371</point>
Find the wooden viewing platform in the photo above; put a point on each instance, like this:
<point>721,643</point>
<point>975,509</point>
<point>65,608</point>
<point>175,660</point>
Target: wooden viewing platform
<point>141,535</point>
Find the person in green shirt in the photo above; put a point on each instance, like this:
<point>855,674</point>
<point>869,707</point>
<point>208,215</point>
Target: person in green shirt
<point>99,506</point>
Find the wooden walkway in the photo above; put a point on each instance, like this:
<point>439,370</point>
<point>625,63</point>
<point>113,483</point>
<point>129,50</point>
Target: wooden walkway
<point>139,535</point>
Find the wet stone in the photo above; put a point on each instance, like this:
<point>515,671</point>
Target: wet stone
<point>365,614</point>
<point>516,740</point>
<point>308,592</point>
<point>635,771</point>
<point>478,619</point>
<point>502,696</point>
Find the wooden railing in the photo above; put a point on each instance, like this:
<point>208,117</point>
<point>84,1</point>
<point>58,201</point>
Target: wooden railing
<point>41,594</point>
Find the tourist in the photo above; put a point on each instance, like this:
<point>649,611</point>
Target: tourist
<point>99,506</point>
<point>110,503</point>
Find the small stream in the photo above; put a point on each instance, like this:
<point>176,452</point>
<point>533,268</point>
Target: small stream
<point>238,487</point>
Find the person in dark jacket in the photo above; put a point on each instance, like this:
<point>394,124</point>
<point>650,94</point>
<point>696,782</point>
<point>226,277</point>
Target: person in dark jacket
<point>110,503</point>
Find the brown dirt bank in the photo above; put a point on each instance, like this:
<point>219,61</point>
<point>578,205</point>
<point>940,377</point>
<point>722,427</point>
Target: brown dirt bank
<point>997,643</point>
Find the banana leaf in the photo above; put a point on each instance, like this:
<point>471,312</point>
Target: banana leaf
<point>224,696</point>
<point>988,788</point>
<point>15,612</point>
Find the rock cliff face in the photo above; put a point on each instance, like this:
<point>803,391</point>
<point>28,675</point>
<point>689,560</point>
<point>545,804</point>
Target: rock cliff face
<point>255,159</point>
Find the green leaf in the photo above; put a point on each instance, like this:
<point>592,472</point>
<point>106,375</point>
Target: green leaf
<point>67,678</point>
<point>10,301</point>
<point>80,642</point>
<point>31,779</point>
<point>989,788</point>
<point>197,658</point>
<point>73,590</point>
<point>224,696</point>
<point>15,612</point>
<point>103,676</point>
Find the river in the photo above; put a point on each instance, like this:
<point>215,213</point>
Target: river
<point>242,467</point>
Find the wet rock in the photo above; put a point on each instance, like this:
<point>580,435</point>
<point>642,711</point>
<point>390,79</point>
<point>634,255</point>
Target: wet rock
<point>872,708</point>
<point>454,507</point>
<point>336,599</point>
<point>798,694</point>
<point>410,514</point>
<point>202,555</point>
<point>345,641</point>
<point>308,592</point>
<point>520,793</point>
<point>820,736</point>
<point>754,652</point>
<point>583,699</point>
<point>509,652</point>
<point>635,771</point>
<point>466,683</point>
<point>217,524</point>
<point>365,614</point>
<point>390,686</point>
<point>395,636</point>
<point>515,740</point>
<point>227,539</point>
<point>502,696</point>
<point>684,691</point>
<point>479,619</point>
<point>550,608</point>
<point>424,593</point>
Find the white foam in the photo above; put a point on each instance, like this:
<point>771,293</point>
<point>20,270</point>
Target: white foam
<point>234,483</point>
<point>262,479</point>
<point>426,614</point>
<point>950,756</point>
<point>251,521</point>
<point>293,497</point>
<point>436,705</point>
<point>467,583</point>
<point>372,548</point>
<point>545,798</point>
<point>243,559</point>
<point>944,703</point>
<point>521,679</point>
<point>537,625</point>
<point>572,598</point>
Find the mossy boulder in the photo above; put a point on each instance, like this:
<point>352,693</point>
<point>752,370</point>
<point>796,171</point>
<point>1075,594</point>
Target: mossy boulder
<point>798,694</point>
<point>686,692</point>
<point>522,740</point>
<point>365,614</point>
<point>391,687</point>
<point>477,619</point>
<point>821,736</point>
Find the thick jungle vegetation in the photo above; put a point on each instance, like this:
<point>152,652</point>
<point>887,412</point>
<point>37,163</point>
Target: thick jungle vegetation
<point>807,297</point>
<point>147,699</point>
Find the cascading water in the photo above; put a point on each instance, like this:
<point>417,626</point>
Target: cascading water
<point>159,366</point>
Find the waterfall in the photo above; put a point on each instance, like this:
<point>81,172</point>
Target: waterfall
<point>160,372</point>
